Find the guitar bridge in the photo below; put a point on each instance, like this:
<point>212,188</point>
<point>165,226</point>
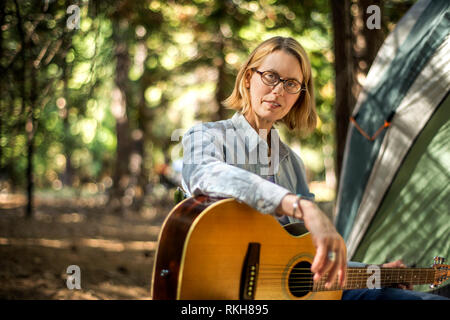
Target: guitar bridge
<point>250,270</point>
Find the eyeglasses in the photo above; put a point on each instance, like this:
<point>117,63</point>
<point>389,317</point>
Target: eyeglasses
<point>272,78</point>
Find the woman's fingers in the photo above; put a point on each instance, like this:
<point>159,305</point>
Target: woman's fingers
<point>343,271</point>
<point>337,271</point>
<point>394,264</point>
<point>334,267</point>
<point>330,247</point>
<point>319,261</point>
<point>330,260</point>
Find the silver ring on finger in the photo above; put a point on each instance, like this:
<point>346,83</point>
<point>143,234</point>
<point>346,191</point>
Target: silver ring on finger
<point>331,256</point>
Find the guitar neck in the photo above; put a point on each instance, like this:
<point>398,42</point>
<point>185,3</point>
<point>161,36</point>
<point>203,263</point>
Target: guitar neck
<point>358,278</point>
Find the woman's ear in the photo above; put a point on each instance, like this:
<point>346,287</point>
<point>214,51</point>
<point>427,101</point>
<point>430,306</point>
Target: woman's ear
<point>248,75</point>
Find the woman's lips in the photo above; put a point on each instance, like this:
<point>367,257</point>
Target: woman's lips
<point>273,104</point>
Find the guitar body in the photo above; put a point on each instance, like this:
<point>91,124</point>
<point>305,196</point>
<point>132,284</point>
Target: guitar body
<point>203,247</point>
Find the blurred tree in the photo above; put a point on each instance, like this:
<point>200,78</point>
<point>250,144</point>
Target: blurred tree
<point>132,22</point>
<point>44,82</point>
<point>121,101</point>
<point>2,90</point>
<point>33,46</point>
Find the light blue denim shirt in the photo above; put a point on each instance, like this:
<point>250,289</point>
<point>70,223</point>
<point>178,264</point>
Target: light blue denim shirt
<point>228,158</point>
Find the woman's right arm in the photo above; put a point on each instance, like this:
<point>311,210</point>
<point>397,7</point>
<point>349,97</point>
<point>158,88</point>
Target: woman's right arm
<point>206,172</point>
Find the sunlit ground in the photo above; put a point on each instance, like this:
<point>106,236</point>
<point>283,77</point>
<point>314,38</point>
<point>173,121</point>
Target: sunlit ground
<point>114,251</point>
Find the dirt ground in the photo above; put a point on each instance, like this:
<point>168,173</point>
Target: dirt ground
<point>115,253</point>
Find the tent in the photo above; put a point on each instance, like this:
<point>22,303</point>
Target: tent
<point>393,200</point>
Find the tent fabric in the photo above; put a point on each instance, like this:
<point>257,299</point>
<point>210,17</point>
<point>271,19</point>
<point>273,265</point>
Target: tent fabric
<point>413,222</point>
<point>412,115</point>
<point>419,43</point>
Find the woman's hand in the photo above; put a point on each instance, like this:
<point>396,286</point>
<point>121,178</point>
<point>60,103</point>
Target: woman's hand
<point>326,239</point>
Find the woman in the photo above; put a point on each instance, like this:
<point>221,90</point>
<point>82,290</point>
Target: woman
<point>273,86</point>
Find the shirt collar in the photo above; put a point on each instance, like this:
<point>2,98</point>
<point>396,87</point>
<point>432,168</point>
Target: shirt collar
<point>240,122</point>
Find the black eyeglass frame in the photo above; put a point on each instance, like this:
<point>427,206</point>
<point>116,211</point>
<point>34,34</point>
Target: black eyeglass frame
<point>302,85</point>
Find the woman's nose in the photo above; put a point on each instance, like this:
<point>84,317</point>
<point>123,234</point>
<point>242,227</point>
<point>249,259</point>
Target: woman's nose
<point>278,88</point>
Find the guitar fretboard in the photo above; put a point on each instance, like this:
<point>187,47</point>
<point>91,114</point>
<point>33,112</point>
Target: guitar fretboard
<point>358,278</point>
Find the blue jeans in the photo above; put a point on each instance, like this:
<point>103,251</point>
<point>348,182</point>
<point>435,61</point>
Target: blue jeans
<point>388,294</point>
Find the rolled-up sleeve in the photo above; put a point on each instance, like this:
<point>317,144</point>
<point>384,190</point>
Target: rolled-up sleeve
<point>206,172</point>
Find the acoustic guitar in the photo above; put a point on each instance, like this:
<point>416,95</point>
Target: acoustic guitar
<point>214,249</point>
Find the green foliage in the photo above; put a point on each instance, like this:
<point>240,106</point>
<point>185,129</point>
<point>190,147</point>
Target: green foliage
<point>183,59</point>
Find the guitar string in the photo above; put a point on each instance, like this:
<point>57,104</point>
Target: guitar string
<point>334,285</point>
<point>351,277</point>
<point>385,273</point>
<point>402,270</point>
<point>423,281</point>
<point>390,271</point>
<point>321,286</point>
<point>395,273</point>
<point>309,284</point>
<point>282,266</point>
<point>355,271</point>
<point>278,266</point>
<point>348,280</point>
<point>356,275</point>
<point>352,272</point>
<point>394,280</point>
<point>334,282</point>
<point>357,278</point>
<point>361,275</point>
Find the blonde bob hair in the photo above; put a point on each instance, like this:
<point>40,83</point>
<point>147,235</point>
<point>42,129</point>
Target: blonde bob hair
<point>302,117</point>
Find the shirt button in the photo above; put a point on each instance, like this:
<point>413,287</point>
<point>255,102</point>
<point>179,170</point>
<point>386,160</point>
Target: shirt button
<point>260,203</point>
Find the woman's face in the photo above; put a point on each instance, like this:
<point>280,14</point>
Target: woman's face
<point>269,103</point>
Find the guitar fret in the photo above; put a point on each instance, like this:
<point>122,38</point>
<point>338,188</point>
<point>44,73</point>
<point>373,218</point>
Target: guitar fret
<point>357,278</point>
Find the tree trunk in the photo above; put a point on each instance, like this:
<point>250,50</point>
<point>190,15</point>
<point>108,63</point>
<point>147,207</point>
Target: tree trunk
<point>121,175</point>
<point>2,92</point>
<point>31,129</point>
<point>355,48</point>
<point>27,111</point>
<point>145,120</point>
<point>373,38</point>
<point>220,93</point>
<point>67,175</point>
<point>344,79</point>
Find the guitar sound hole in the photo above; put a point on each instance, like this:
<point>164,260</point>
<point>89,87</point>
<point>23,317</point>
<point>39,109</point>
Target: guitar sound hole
<point>300,281</point>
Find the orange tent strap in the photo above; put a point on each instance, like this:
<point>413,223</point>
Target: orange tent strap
<point>365,135</point>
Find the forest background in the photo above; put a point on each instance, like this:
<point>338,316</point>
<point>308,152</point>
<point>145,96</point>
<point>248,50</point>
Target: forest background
<point>95,96</point>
